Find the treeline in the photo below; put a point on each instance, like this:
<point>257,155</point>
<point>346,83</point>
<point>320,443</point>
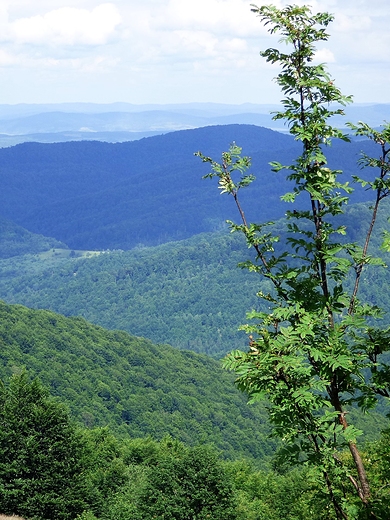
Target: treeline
<point>52,469</point>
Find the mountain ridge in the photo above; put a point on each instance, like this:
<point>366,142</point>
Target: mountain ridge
<point>94,195</point>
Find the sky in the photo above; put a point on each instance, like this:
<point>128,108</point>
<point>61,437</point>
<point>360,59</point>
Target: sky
<point>175,51</point>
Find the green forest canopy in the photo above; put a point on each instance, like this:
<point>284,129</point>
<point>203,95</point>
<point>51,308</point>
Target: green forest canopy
<point>135,387</point>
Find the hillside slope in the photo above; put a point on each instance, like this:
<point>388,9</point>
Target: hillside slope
<point>16,241</point>
<point>134,386</point>
<point>189,294</point>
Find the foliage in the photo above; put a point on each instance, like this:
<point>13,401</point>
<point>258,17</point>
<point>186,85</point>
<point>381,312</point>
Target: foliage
<point>192,485</point>
<point>273,495</point>
<point>377,457</point>
<point>51,470</point>
<point>159,475</point>
<point>142,479</point>
<point>316,350</point>
<point>41,453</point>
<point>165,479</point>
<point>86,515</point>
<point>104,468</point>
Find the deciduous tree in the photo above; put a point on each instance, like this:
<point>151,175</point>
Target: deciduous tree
<point>41,454</point>
<point>317,350</point>
<point>191,486</point>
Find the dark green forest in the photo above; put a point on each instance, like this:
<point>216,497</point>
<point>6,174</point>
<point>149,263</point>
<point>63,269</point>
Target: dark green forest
<point>52,469</point>
<point>63,471</point>
<point>137,388</point>
<point>152,432</point>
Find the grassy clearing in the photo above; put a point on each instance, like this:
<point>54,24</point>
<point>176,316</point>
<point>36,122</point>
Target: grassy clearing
<point>12,517</point>
<point>66,253</point>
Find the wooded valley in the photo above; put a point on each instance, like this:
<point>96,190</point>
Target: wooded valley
<point>125,278</point>
<point>145,394</point>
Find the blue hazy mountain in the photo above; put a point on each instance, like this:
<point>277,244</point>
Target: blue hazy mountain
<point>118,122</point>
<point>96,195</point>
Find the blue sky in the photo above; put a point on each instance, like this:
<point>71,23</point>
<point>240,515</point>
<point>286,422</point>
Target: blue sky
<point>175,51</point>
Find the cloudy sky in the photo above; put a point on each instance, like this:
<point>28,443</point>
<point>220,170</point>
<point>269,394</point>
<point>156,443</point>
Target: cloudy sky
<point>175,51</point>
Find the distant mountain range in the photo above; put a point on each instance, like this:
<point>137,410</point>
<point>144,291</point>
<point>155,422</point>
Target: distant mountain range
<point>118,122</point>
<point>93,196</point>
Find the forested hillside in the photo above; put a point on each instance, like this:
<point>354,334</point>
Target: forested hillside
<point>93,195</point>
<point>16,240</point>
<point>152,397</point>
<point>190,294</point>
<point>64,472</point>
<point>134,386</point>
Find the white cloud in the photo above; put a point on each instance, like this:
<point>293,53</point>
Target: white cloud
<point>7,59</point>
<point>324,56</point>
<point>68,26</point>
<point>160,49</point>
<point>96,64</point>
<point>232,17</point>
<point>192,43</point>
<point>347,23</point>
